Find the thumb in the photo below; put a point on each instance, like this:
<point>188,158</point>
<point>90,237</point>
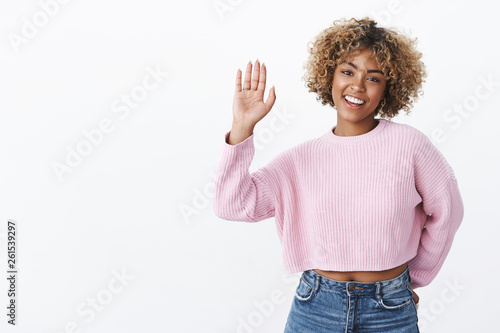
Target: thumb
<point>270,99</point>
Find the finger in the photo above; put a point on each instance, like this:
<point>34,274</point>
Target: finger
<point>255,78</point>
<point>262,78</point>
<point>238,81</point>
<point>248,74</point>
<point>271,99</point>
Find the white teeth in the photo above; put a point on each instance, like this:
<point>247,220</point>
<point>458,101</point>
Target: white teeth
<point>354,100</point>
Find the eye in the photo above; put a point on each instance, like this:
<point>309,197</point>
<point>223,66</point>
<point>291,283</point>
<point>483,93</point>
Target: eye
<point>346,72</point>
<point>373,79</point>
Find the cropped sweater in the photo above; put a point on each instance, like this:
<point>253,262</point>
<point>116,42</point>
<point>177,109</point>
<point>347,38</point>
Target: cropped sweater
<point>367,202</point>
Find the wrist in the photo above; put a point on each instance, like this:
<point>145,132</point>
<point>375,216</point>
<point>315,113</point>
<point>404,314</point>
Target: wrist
<point>239,133</point>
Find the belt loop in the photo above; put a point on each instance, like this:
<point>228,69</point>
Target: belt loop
<point>317,282</point>
<point>377,293</point>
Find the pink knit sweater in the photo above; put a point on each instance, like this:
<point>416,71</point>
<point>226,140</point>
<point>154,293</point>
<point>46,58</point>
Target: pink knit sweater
<point>368,202</point>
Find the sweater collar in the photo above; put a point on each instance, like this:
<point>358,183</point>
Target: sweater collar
<point>330,136</point>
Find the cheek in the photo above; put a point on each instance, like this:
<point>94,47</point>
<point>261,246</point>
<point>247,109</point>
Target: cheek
<point>378,94</point>
<point>338,86</point>
<point>383,90</point>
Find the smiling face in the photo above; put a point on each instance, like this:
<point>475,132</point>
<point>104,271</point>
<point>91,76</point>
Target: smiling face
<point>357,88</point>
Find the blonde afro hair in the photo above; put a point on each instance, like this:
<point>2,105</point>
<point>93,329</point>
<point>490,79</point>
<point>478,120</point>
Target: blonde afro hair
<point>394,52</point>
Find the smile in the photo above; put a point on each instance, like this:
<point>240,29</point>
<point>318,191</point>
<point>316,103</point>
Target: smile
<point>353,102</point>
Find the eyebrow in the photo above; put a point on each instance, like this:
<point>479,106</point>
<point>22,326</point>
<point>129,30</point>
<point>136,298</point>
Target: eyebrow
<point>368,71</point>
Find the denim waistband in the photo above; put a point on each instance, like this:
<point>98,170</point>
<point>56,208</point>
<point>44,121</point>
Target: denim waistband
<point>354,287</point>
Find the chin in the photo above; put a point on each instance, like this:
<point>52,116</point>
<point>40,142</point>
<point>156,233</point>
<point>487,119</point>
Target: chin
<point>349,115</point>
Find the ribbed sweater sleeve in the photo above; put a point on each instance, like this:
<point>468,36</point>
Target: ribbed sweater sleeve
<point>442,203</point>
<point>239,195</point>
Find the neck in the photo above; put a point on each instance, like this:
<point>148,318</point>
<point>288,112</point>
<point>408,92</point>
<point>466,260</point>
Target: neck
<point>347,128</point>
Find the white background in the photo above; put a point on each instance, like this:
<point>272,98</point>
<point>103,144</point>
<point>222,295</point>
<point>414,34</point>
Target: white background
<point>140,201</point>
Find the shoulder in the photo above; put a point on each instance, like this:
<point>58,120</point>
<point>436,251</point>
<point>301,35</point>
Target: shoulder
<point>427,156</point>
<point>411,137</point>
<point>300,149</point>
<point>287,163</point>
<point>405,130</point>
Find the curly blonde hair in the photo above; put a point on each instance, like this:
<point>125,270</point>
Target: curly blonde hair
<point>394,52</point>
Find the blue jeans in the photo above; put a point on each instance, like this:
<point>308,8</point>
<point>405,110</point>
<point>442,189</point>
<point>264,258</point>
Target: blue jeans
<point>322,305</point>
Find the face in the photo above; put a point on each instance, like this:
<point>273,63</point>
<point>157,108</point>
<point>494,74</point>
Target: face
<point>358,87</point>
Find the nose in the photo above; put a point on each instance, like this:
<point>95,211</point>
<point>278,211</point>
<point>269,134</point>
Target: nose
<point>358,84</point>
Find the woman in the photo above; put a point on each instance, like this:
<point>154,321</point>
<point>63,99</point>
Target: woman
<point>367,211</point>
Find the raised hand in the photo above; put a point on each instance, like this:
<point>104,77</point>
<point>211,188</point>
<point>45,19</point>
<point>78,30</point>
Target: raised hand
<point>248,103</point>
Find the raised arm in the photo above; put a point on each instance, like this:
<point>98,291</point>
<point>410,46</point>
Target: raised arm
<point>239,195</point>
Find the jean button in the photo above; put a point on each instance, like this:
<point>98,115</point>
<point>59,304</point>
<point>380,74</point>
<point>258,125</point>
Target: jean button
<point>352,287</point>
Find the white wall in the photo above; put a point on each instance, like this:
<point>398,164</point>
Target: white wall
<point>139,202</point>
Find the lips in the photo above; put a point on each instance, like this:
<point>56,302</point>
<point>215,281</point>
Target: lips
<point>353,102</point>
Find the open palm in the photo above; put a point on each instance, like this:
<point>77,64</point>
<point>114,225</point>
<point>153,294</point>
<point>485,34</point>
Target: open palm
<point>248,103</point>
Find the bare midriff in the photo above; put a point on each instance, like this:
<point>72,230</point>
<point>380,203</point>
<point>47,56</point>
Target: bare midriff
<point>364,276</point>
